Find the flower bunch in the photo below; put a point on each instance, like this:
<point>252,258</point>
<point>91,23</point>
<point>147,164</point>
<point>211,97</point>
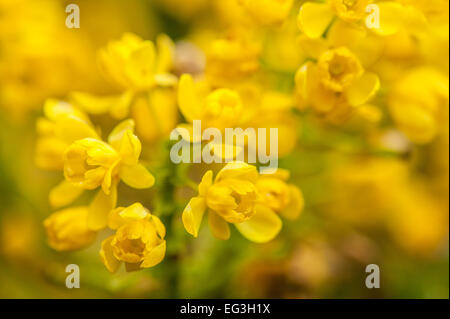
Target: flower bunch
<point>336,79</point>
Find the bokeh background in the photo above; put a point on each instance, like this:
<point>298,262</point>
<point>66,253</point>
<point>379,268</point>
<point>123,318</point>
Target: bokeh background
<point>386,205</point>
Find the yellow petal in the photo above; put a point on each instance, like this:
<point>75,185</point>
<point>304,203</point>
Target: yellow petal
<point>71,129</point>
<point>114,218</point>
<point>111,263</point>
<point>118,106</point>
<point>116,135</point>
<point>314,18</point>
<point>391,21</point>
<point>165,53</point>
<point>108,177</point>
<point>64,193</point>
<point>166,79</point>
<point>344,34</point>
<point>218,226</point>
<point>130,148</point>
<point>140,66</point>
<point>296,204</point>
<point>100,207</point>
<point>187,98</point>
<point>134,212</point>
<point>312,48</point>
<point>154,256</point>
<point>55,109</point>
<point>238,170</point>
<point>136,176</point>
<point>262,227</point>
<point>363,89</point>
<point>193,215</point>
<point>206,182</point>
<point>160,228</point>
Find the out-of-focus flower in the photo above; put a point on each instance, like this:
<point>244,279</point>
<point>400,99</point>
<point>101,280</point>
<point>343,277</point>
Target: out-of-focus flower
<point>336,83</point>
<point>39,56</point>
<point>62,125</point>
<point>220,108</point>
<point>232,198</point>
<point>138,241</point>
<point>419,223</point>
<point>233,57</point>
<point>267,108</point>
<point>133,63</point>
<point>419,104</point>
<point>18,236</point>
<point>90,163</point>
<point>142,73</point>
<point>67,229</point>
<point>267,12</point>
<point>315,18</point>
<point>285,199</point>
<point>383,193</point>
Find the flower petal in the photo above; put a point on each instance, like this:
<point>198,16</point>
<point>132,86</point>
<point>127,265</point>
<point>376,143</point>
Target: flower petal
<point>100,207</point>
<point>314,18</point>
<point>140,66</point>
<point>296,204</point>
<point>118,106</point>
<point>193,215</point>
<point>344,34</point>
<point>134,212</point>
<point>155,256</point>
<point>206,182</point>
<point>160,228</point>
<point>262,227</point>
<point>116,135</point>
<point>391,21</point>
<point>218,226</point>
<point>137,176</point>
<point>238,170</point>
<point>130,148</point>
<point>111,263</point>
<point>187,99</point>
<point>71,129</point>
<point>64,193</point>
<point>363,89</point>
<point>166,49</point>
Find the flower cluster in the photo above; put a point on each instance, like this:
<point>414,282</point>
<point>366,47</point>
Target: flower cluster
<point>304,68</point>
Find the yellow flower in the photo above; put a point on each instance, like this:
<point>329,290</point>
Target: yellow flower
<point>315,18</point>
<point>90,163</point>
<point>146,85</point>
<point>419,104</point>
<point>220,108</point>
<point>132,63</point>
<point>232,57</point>
<point>138,241</point>
<point>67,229</point>
<point>267,12</point>
<point>231,198</point>
<point>285,199</point>
<point>39,59</point>
<point>336,82</point>
<point>267,108</point>
<point>62,125</point>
